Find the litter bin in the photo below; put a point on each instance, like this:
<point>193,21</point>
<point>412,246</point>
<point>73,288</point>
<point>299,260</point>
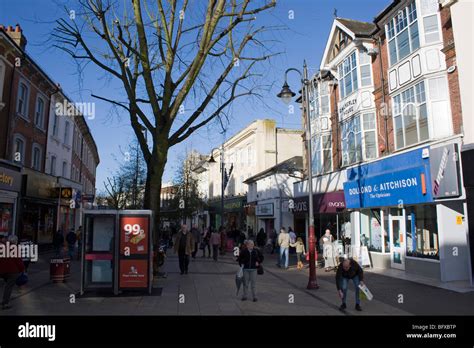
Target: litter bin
<point>60,269</point>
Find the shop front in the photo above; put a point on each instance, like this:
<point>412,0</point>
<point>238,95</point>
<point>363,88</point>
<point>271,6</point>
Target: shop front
<point>10,187</point>
<point>234,213</point>
<point>265,212</point>
<point>39,207</point>
<point>409,213</point>
<point>329,213</point>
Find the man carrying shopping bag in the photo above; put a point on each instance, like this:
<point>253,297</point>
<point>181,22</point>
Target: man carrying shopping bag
<point>348,270</point>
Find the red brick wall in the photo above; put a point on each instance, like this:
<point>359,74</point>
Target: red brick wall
<point>383,111</point>
<point>26,127</point>
<point>453,81</point>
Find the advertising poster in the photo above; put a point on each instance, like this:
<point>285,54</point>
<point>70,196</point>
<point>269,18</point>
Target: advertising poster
<point>133,274</point>
<point>134,235</point>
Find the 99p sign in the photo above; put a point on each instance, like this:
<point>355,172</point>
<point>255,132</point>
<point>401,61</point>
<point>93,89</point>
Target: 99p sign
<point>134,235</point>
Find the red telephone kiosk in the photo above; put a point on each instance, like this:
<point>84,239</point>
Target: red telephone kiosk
<point>117,251</point>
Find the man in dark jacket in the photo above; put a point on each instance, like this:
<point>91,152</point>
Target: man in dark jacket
<point>184,247</point>
<point>349,270</point>
<point>71,243</point>
<point>58,243</point>
<point>10,270</point>
<point>250,259</point>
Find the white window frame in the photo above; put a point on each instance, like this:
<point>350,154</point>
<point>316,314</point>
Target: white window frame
<point>22,153</point>
<point>360,138</point>
<point>353,69</point>
<point>52,165</point>
<point>393,32</point>
<point>67,129</point>
<point>23,113</point>
<point>34,147</point>
<point>64,169</point>
<point>39,125</point>
<point>399,108</point>
<point>363,65</point>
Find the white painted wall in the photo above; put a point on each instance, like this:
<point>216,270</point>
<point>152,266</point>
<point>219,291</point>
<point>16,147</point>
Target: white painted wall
<point>56,144</point>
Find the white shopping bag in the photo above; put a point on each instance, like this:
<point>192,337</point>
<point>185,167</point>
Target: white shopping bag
<point>240,272</point>
<point>366,292</point>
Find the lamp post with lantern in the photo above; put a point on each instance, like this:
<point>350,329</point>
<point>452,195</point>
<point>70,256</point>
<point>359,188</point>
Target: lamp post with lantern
<point>286,94</point>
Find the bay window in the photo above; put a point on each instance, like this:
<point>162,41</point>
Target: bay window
<point>348,75</point>
<point>402,33</point>
<point>322,153</point>
<point>358,138</point>
<point>410,116</point>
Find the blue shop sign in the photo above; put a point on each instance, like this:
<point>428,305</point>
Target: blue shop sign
<point>403,179</point>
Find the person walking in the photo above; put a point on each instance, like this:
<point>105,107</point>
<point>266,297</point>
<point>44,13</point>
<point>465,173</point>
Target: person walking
<point>10,270</point>
<point>328,251</point>
<point>300,251</point>
<point>348,270</point>
<point>250,258</point>
<point>58,243</point>
<point>261,238</point>
<point>71,243</point>
<point>184,247</point>
<point>206,237</point>
<point>79,242</point>
<point>197,240</point>
<point>273,239</point>
<point>215,241</point>
<point>284,244</point>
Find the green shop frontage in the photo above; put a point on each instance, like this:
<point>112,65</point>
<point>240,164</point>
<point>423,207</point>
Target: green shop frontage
<point>234,213</point>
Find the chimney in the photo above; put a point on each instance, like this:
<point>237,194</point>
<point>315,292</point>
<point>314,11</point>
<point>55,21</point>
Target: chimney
<point>16,34</point>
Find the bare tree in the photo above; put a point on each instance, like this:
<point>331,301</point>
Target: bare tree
<point>181,64</point>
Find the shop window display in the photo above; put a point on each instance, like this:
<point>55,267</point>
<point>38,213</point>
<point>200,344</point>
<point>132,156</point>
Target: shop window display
<point>422,233</point>
<point>371,230</point>
<point>6,218</point>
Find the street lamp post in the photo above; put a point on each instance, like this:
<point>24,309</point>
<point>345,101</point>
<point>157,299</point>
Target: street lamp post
<point>212,160</point>
<point>286,95</point>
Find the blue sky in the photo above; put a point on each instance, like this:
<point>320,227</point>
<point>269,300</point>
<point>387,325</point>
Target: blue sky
<point>304,38</point>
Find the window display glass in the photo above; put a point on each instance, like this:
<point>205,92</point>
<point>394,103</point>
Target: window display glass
<point>6,218</point>
<point>422,232</point>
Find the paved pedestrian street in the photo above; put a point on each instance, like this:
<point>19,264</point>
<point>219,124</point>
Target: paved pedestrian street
<point>209,289</point>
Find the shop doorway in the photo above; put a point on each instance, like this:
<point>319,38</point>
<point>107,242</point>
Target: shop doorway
<point>397,230</point>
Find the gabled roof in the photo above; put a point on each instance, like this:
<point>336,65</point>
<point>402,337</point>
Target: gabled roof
<point>353,28</point>
<point>360,29</point>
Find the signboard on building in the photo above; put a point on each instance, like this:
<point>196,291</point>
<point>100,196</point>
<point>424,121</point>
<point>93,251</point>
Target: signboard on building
<point>329,202</point>
<point>265,209</point>
<point>444,163</point>
<point>10,180</point>
<point>395,181</point>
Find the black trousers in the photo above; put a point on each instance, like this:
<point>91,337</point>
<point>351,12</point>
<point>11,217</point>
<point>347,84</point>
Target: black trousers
<point>10,280</point>
<point>195,250</point>
<point>215,251</point>
<point>208,246</point>
<point>183,261</point>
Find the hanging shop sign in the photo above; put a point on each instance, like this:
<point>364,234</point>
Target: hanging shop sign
<point>444,163</point>
<point>399,180</point>
<point>265,209</point>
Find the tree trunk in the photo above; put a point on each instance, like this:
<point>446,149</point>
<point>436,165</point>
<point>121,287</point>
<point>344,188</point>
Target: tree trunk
<point>155,169</point>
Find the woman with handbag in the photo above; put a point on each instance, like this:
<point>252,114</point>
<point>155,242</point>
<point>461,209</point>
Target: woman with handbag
<point>251,260</point>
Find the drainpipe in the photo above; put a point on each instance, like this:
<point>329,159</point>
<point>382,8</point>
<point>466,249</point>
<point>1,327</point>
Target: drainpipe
<point>379,45</point>
<point>11,121</point>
